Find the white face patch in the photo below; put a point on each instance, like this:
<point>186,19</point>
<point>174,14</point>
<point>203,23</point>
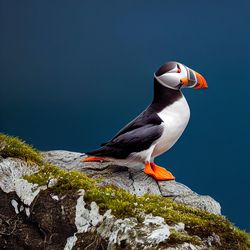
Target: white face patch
<point>172,78</point>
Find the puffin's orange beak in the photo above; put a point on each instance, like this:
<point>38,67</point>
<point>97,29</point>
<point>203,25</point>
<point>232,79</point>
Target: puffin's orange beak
<point>201,82</point>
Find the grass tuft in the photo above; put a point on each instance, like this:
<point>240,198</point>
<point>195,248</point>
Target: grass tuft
<point>16,148</point>
<point>176,238</point>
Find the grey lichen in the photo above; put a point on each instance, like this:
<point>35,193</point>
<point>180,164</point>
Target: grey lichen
<point>116,215</point>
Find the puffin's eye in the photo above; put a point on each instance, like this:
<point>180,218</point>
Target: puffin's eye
<point>178,68</point>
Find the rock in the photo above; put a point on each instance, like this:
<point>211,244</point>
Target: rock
<point>11,172</point>
<point>133,180</point>
<point>66,221</point>
<point>48,207</point>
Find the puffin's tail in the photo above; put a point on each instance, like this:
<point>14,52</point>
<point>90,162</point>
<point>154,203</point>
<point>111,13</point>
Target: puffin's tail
<point>96,156</point>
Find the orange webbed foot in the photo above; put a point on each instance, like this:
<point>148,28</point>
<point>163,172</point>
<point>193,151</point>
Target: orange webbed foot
<point>93,159</point>
<point>157,172</point>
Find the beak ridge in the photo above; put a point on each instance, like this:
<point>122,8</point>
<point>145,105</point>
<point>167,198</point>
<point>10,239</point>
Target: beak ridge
<point>201,81</point>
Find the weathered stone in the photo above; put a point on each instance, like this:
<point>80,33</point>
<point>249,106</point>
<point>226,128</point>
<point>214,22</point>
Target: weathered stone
<point>203,202</point>
<point>133,180</point>
<point>33,217</point>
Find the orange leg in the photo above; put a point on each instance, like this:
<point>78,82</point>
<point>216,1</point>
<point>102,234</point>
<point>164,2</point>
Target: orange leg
<point>93,159</point>
<point>157,172</point>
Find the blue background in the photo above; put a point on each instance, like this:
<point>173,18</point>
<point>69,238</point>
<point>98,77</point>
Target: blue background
<point>72,73</point>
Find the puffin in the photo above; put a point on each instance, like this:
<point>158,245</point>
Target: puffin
<point>157,128</point>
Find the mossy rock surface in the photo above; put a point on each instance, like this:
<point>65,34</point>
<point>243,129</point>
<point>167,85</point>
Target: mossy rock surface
<point>16,148</point>
<point>132,179</point>
<point>199,225</point>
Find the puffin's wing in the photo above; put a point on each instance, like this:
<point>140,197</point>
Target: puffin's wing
<point>136,140</point>
<point>145,118</point>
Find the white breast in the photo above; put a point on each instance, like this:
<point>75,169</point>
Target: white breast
<point>175,119</point>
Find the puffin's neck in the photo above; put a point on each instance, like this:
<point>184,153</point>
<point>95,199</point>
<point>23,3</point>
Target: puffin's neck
<point>164,96</point>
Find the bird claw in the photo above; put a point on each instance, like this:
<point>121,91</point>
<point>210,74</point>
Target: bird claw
<point>93,159</point>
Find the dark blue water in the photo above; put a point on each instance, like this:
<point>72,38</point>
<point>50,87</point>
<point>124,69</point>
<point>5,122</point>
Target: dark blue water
<point>72,73</point>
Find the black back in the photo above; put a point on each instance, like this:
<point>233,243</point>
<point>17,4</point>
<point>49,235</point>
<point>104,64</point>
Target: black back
<point>143,131</point>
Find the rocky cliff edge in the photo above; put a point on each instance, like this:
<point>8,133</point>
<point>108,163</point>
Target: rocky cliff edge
<point>52,201</point>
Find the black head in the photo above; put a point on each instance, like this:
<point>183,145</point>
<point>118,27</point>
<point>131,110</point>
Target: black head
<point>176,75</point>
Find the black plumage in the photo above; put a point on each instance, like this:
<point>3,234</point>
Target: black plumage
<point>143,131</point>
<point>137,136</point>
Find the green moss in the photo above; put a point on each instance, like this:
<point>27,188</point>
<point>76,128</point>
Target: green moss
<point>124,204</point>
<point>66,180</point>
<point>181,237</point>
<point>14,147</point>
